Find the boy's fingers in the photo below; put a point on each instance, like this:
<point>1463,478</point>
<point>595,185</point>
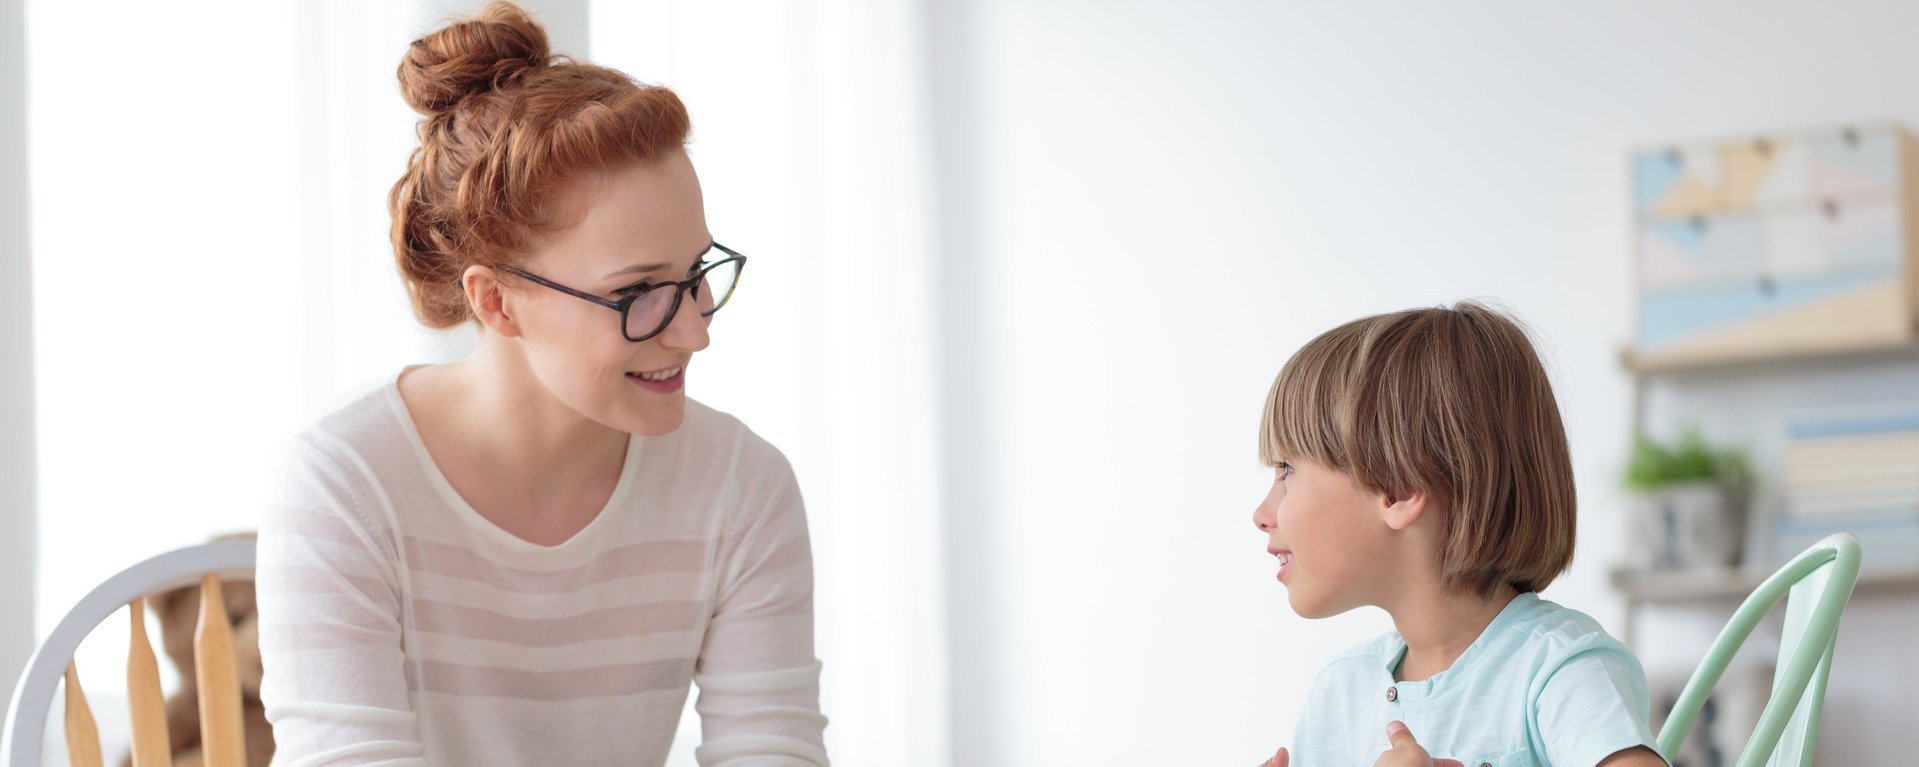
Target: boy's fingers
<point>1280,759</point>
<point>1398,735</point>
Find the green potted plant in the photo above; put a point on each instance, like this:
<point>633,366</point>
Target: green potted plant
<point>1689,502</point>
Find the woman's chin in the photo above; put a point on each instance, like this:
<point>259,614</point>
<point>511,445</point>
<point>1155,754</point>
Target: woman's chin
<point>657,421</point>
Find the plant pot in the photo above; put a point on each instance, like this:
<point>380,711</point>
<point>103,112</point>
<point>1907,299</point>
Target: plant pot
<point>1689,525</point>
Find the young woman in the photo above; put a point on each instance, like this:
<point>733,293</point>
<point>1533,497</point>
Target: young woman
<point>524,557</point>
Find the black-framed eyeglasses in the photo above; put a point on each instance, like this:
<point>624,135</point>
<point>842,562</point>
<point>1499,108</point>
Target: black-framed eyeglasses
<point>647,308</point>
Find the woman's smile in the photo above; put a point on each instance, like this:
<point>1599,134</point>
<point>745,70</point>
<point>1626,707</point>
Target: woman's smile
<point>663,381</point>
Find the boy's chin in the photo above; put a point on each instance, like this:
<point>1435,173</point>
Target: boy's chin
<point>1314,609</point>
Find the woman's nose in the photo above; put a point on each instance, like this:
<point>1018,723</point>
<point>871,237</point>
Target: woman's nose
<point>687,329</point>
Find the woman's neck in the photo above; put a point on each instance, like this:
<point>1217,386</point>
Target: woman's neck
<point>521,457</point>
<point>509,412</point>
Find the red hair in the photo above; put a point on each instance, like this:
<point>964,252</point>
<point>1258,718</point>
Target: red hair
<point>508,125</point>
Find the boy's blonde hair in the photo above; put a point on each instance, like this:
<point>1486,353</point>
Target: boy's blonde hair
<point>1451,402</point>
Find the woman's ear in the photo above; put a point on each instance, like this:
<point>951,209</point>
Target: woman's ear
<point>1401,509</point>
<point>488,299</point>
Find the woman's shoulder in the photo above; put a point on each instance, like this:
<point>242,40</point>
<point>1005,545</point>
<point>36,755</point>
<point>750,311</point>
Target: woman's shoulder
<point>361,440</point>
<point>710,433</point>
<point>363,415</point>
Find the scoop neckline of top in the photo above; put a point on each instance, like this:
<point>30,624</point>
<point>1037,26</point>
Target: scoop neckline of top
<point>471,516</point>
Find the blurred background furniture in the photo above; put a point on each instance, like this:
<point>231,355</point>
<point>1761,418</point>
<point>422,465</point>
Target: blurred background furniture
<point>1815,586</point>
<point>1776,296</point>
<point>22,741</point>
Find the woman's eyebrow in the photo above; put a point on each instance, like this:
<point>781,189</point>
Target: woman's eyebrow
<point>638,269</point>
<point>654,267</point>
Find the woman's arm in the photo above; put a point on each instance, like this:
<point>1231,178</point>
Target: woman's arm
<point>335,687</point>
<point>758,677</point>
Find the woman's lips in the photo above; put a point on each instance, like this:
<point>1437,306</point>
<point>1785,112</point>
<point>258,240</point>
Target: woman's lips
<point>666,385</point>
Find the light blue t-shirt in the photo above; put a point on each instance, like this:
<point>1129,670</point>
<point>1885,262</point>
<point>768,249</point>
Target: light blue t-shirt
<point>1542,686</point>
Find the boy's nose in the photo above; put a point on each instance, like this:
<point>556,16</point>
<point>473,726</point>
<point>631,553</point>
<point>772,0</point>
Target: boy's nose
<point>1261,519</point>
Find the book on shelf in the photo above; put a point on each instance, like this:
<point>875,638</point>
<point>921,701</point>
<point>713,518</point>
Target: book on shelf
<point>1853,469</point>
<point>1873,472</point>
<point>1855,421</point>
<point>1840,452</point>
<point>1888,538</point>
<point>1851,497</point>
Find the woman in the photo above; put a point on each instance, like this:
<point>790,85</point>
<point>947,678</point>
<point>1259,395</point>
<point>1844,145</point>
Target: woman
<point>525,556</point>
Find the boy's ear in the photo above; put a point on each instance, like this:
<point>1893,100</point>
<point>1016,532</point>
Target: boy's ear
<point>1401,509</point>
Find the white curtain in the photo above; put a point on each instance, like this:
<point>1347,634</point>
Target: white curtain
<point>17,481</point>
<point>212,270</point>
<point>169,332</point>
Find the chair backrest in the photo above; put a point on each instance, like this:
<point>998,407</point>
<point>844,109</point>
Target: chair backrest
<point>216,674</point>
<point>1816,585</point>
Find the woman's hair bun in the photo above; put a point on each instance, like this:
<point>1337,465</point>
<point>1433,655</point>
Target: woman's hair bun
<point>471,56</point>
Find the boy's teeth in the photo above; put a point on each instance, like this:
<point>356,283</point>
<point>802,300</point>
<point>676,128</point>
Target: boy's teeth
<point>660,376</point>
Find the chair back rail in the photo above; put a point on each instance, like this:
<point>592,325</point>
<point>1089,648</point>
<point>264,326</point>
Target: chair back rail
<point>1816,585</point>
<point>21,740</point>
<point>146,705</point>
<point>83,738</point>
<point>222,734</point>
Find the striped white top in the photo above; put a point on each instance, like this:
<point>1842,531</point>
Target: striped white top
<point>400,627</point>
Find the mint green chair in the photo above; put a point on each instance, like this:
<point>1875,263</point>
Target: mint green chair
<point>1816,586</point>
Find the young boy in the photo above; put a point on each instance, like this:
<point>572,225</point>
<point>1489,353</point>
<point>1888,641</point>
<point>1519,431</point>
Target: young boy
<point>1420,466</point>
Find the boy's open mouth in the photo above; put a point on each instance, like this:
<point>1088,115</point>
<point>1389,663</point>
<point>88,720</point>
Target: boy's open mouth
<point>1285,557</point>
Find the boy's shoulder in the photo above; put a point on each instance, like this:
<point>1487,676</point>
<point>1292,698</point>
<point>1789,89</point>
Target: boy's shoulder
<point>1381,649</point>
<point>1360,666</point>
<point>1552,628</point>
<point>1529,625</point>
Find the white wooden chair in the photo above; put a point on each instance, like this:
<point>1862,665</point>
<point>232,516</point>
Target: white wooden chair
<point>218,678</point>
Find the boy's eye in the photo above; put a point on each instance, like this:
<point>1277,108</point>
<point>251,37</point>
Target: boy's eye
<point>1285,470</point>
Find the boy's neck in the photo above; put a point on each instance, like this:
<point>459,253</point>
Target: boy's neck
<point>1438,627</point>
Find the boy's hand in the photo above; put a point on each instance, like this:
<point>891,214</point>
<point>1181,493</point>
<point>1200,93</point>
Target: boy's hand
<point>1407,752</point>
<point>1278,760</point>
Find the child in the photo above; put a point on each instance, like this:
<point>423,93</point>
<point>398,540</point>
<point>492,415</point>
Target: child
<point>1420,466</point>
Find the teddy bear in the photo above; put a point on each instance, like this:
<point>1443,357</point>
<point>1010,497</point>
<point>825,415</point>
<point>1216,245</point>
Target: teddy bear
<point>178,612</point>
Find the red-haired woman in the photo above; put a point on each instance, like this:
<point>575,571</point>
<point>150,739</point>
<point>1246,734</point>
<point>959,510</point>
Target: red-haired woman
<point>526,556</point>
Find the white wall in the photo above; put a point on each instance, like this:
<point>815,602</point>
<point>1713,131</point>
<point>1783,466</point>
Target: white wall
<point>17,513</point>
<point>1149,206</point>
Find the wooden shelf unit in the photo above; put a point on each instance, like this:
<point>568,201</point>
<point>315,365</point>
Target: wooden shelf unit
<point>1665,586</point>
<point>1640,363</point>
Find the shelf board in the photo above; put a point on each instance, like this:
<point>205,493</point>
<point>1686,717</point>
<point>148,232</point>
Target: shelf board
<point>1682,585</point>
<point>1642,363</point>
<point>1866,351</point>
